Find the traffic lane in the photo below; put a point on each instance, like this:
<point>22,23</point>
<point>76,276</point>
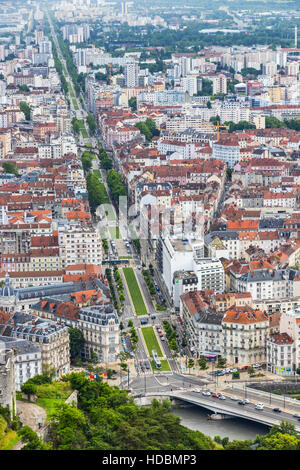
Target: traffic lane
<point>249,406</point>
<point>264,399</point>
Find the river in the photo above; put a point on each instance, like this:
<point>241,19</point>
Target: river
<point>195,417</point>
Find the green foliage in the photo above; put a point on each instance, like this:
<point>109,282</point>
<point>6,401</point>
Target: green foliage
<point>77,342</point>
<point>202,363</point>
<point>116,185</point>
<point>239,126</point>
<point>132,103</point>
<point>10,168</point>
<point>96,192</point>
<point>28,388</point>
<point>109,419</point>
<point>31,440</point>
<point>86,159</point>
<point>91,123</point>
<point>25,109</point>
<point>207,88</point>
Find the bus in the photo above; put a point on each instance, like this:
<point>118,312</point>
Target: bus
<point>156,359</point>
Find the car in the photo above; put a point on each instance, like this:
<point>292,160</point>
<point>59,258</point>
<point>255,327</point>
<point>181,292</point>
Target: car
<point>296,415</point>
<point>234,398</point>
<point>206,393</point>
<point>220,372</point>
<point>246,401</point>
<point>196,390</point>
<point>259,406</point>
<point>242,402</point>
<point>244,367</point>
<point>256,366</point>
<point>215,395</point>
<point>153,317</point>
<point>161,335</point>
<point>221,396</point>
<point>233,370</point>
<point>277,410</point>
<point>147,365</point>
<point>141,363</point>
<point>163,338</point>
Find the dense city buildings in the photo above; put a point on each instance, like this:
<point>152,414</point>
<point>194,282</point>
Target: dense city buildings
<point>149,176</point>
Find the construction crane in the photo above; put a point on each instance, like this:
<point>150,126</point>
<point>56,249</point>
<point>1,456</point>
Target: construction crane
<point>218,126</point>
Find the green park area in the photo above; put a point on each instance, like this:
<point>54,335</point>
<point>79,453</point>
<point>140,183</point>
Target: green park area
<point>135,292</point>
<point>75,104</point>
<point>71,90</point>
<point>52,396</point>
<point>83,129</point>
<point>151,340</point>
<point>114,232</point>
<point>164,365</point>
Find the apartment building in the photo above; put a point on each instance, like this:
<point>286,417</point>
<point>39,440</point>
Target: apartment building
<point>27,356</point>
<point>244,335</point>
<point>79,244</point>
<point>50,336</point>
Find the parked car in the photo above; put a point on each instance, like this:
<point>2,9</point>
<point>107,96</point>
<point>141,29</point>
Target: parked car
<point>256,366</point>
<point>147,365</point>
<point>277,410</point>
<point>162,338</point>
<point>244,367</point>
<point>259,406</point>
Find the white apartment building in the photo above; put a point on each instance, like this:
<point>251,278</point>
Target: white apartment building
<point>131,75</point>
<point>245,332</point>
<point>203,326</point>
<point>28,359</point>
<point>226,150</point>
<point>219,84</point>
<point>279,356</point>
<point>100,327</point>
<point>290,324</point>
<point>79,245</point>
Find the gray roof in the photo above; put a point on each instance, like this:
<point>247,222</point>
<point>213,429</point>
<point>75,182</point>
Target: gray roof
<point>22,346</point>
<point>270,223</point>
<point>223,235</point>
<point>261,275</point>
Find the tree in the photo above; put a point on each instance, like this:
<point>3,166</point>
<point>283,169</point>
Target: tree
<point>10,168</point>
<point>132,103</point>
<point>221,362</point>
<point>191,363</point>
<point>29,389</point>
<point>250,370</point>
<point>68,427</point>
<point>77,342</point>
<point>279,441</point>
<point>25,109</point>
<point>32,440</point>
<point>202,363</point>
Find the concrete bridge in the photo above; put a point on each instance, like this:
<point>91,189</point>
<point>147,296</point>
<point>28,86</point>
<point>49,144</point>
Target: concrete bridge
<point>228,407</point>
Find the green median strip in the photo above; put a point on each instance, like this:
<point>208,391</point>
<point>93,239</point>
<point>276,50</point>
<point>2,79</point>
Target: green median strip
<point>114,232</point>
<point>164,365</point>
<point>151,340</point>
<point>135,292</point>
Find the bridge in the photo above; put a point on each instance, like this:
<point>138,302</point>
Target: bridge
<point>231,408</point>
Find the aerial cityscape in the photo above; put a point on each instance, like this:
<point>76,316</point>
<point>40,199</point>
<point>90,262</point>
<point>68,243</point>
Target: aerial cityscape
<point>150,227</point>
